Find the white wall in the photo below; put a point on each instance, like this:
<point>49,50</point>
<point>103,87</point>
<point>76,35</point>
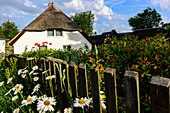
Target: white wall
<point>2,46</point>
<point>74,38</point>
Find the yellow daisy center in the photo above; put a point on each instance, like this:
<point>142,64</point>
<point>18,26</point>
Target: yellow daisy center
<point>36,87</point>
<point>81,101</point>
<point>102,105</point>
<point>47,103</point>
<point>50,77</point>
<point>29,100</point>
<point>45,71</point>
<point>16,86</point>
<point>41,97</point>
<point>103,96</point>
<point>35,78</point>
<point>15,98</point>
<point>68,111</point>
<point>16,111</point>
<point>17,90</point>
<point>0,84</point>
<point>23,75</point>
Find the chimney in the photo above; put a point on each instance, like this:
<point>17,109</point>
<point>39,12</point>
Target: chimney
<point>50,4</point>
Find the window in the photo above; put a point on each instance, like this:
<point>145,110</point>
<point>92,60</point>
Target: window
<point>58,33</point>
<point>50,32</point>
<point>66,47</point>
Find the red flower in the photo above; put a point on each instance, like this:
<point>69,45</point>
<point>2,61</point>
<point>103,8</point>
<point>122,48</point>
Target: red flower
<point>50,43</point>
<point>36,44</point>
<point>39,47</point>
<point>43,44</point>
<point>46,42</point>
<point>33,47</point>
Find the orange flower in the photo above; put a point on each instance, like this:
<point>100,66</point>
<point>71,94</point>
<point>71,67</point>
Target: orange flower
<point>155,67</point>
<point>142,75</point>
<point>156,57</point>
<point>145,59</point>
<point>140,58</point>
<point>147,63</point>
<point>136,66</point>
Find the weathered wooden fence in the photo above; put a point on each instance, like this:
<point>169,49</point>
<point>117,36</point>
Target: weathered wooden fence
<point>160,87</point>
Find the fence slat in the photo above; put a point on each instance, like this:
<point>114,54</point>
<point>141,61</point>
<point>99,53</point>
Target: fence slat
<point>73,80</point>
<point>83,80</point>
<point>131,81</point>
<point>59,86</point>
<point>95,89</point>
<point>160,94</point>
<point>111,90</point>
<point>66,81</point>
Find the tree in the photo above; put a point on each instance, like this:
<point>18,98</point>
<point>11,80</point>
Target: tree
<point>8,29</point>
<point>85,21</point>
<point>147,19</point>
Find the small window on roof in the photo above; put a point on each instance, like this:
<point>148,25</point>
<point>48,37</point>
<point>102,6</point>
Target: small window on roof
<point>58,32</point>
<point>50,32</point>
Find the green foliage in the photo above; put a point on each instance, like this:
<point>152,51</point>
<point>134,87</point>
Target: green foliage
<point>147,19</point>
<point>8,30</point>
<point>85,21</point>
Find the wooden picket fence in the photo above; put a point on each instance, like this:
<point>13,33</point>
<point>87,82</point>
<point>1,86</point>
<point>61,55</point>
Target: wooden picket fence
<point>160,87</point>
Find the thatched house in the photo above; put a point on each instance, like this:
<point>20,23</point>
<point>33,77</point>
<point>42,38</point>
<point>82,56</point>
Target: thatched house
<point>52,26</point>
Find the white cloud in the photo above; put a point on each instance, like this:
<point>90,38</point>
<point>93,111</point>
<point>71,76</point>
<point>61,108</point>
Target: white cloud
<point>165,19</point>
<point>164,4</point>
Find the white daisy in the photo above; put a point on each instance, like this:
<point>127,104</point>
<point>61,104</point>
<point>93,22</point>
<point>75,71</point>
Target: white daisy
<point>36,88</point>
<point>45,71</point>
<point>101,92</point>
<point>35,68</point>
<point>23,75</point>
<point>21,87</point>
<point>103,105</point>
<point>29,100</point>
<point>16,87</point>
<point>50,77</point>
<point>36,78</point>
<point>16,110</point>
<point>41,97</point>
<point>14,98</point>
<point>1,83</point>
<point>19,71</point>
<point>35,73</point>
<point>17,91</point>
<point>46,104</point>
<point>9,80</point>
<point>31,72</point>
<point>67,110</point>
<point>81,102</point>
<point>25,67</point>
<point>30,58</point>
<point>8,92</point>
<point>25,71</point>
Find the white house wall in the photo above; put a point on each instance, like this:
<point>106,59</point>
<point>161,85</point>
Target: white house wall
<point>28,39</point>
<point>2,46</point>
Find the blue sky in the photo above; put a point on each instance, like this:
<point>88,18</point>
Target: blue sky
<point>109,14</point>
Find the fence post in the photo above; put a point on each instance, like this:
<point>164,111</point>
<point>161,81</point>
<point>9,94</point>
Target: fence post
<point>131,81</point>
<point>95,89</point>
<point>83,80</point>
<point>111,90</point>
<point>160,94</point>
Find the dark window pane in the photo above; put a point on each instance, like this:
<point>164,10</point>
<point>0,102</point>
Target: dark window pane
<point>58,33</point>
<point>50,32</point>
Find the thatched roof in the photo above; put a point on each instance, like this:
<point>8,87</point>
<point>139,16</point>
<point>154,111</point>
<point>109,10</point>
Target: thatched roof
<point>51,18</point>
